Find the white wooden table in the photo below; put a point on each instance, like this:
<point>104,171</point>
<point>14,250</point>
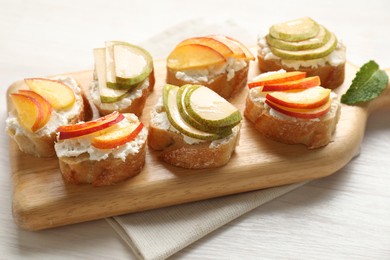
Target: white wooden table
<point>344,216</point>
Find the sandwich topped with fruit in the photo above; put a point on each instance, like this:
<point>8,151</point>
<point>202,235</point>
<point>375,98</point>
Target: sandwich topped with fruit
<point>303,45</point>
<point>39,108</point>
<point>124,78</point>
<point>103,151</point>
<point>216,61</point>
<point>292,108</point>
<point>194,127</point>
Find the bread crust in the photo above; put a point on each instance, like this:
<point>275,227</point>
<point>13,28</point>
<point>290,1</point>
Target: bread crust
<point>80,169</point>
<point>331,76</point>
<point>312,133</point>
<point>219,84</point>
<point>137,106</point>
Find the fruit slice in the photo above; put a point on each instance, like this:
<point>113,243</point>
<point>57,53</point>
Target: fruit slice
<point>248,53</point>
<point>294,85</point>
<point>118,137</point>
<point>76,130</point>
<point>234,46</point>
<point>29,110</point>
<point>277,77</point>
<point>301,113</point>
<point>181,93</point>
<point>320,52</point>
<point>59,95</point>
<point>295,30</point>
<point>209,108</point>
<point>46,107</point>
<point>174,117</point>
<point>107,95</point>
<point>194,56</point>
<point>308,98</point>
<point>209,42</point>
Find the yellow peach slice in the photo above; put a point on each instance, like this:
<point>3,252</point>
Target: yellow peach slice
<point>238,53</point>
<point>47,108</point>
<point>248,53</point>
<point>210,42</point>
<point>59,95</point>
<point>29,110</point>
<point>278,77</point>
<point>194,56</point>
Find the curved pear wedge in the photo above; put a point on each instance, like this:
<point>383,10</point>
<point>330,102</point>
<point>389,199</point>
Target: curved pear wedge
<point>174,117</point>
<point>221,131</point>
<point>210,109</point>
<point>321,52</point>
<point>319,40</point>
<point>295,30</point>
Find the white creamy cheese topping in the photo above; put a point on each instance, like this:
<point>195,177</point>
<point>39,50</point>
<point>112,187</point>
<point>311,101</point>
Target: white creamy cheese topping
<point>208,75</point>
<point>121,104</point>
<point>76,146</point>
<point>57,118</point>
<point>335,58</point>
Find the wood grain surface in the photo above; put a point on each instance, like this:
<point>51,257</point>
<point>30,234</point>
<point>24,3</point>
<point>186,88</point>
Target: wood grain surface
<point>42,200</point>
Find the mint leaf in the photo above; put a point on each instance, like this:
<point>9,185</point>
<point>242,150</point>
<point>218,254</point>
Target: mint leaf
<point>368,84</point>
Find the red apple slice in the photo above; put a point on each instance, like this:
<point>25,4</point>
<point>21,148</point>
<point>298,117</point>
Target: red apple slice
<point>29,110</point>
<point>238,53</point>
<point>47,108</point>
<point>59,95</point>
<point>117,137</point>
<point>278,77</point>
<point>301,113</point>
<point>295,84</point>
<point>76,130</point>
<point>194,56</point>
<point>248,53</point>
<point>209,42</point>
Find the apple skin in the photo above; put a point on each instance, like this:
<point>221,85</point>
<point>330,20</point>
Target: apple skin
<point>47,108</point>
<point>118,137</point>
<point>76,130</point>
<point>278,78</point>
<point>30,111</point>
<point>295,84</point>
<point>301,113</point>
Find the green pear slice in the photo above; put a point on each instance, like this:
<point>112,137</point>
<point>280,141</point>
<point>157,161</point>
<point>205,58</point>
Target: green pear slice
<point>307,54</point>
<point>295,30</point>
<point>107,95</point>
<point>174,116</point>
<point>209,108</point>
<point>319,40</point>
<point>132,64</point>
<point>181,93</point>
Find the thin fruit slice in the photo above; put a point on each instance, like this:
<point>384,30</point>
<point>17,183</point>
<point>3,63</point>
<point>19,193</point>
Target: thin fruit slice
<point>46,107</point>
<point>194,56</point>
<point>209,42</point>
<point>209,108</point>
<point>319,40</point>
<point>294,85</point>
<point>107,95</point>
<point>308,98</point>
<point>301,113</point>
<point>174,117</point>
<point>59,95</point>
<point>118,137</point>
<point>29,110</point>
<point>276,77</point>
<point>238,52</point>
<point>248,53</point>
<point>320,52</point>
<point>76,130</point>
<point>221,131</point>
<point>295,30</point>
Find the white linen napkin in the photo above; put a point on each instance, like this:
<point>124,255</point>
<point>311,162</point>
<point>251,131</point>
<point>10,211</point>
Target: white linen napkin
<point>159,233</point>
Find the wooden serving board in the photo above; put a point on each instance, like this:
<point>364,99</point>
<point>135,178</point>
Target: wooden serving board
<point>42,200</point>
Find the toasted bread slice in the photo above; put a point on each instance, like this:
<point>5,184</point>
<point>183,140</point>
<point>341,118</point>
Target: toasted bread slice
<point>133,102</point>
<point>183,151</point>
<point>330,69</point>
<point>80,162</point>
<point>313,133</point>
<point>41,142</point>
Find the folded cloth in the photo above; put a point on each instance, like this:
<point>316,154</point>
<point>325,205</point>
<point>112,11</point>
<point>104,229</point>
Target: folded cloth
<point>159,233</point>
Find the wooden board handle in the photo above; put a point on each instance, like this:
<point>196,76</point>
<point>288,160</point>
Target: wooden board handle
<point>383,101</point>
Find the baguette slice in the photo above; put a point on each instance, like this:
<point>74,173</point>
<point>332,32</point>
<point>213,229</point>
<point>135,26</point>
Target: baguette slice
<point>313,133</point>
<point>179,150</point>
<point>41,143</point>
<point>133,102</point>
<point>101,167</point>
